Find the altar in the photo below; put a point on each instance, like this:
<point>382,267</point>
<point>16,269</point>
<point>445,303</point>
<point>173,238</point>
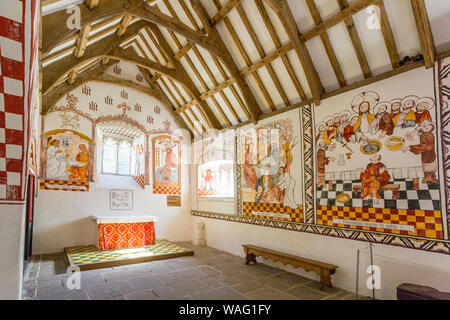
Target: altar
<point>125,231</point>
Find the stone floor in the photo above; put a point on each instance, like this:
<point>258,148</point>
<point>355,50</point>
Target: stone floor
<point>209,275</point>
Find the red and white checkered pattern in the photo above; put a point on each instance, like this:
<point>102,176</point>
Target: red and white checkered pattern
<point>12,103</point>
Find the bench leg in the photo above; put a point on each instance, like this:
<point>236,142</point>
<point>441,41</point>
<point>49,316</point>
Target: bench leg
<point>325,280</point>
<point>250,257</point>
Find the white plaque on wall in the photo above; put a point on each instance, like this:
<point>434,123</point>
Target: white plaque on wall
<point>121,199</point>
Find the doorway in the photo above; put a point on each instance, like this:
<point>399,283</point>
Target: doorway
<point>29,215</point>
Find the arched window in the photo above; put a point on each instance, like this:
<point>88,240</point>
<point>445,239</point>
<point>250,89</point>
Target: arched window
<point>116,156</point>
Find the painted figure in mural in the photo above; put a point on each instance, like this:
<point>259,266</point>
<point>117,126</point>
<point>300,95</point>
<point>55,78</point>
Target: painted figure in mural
<point>422,107</point>
<point>384,119</point>
<point>366,123</point>
<point>169,164</point>
<point>55,167</point>
<point>321,127</point>
<point>407,118</point>
<point>374,177</point>
<point>344,118</point>
<point>80,173</point>
<point>426,148</point>
<point>286,185</point>
<point>208,180</point>
<point>330,132</point>
<point>349,130</point>
<point>322,161</point>
<point>396,105</point>
<point>249,168</point>
<point>264,169</point>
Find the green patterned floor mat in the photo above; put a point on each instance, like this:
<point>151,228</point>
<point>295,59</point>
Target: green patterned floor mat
<point>91,255</point>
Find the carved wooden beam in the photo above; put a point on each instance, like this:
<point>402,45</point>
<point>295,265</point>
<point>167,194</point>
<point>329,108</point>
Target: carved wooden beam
<point>124,24</point>
<point>82,41</point>
<point>425,32</point>
<point>224,11</point>
<point>91,4</point>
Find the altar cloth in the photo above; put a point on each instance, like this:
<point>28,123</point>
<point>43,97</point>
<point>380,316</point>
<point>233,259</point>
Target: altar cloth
<point>125,232</point>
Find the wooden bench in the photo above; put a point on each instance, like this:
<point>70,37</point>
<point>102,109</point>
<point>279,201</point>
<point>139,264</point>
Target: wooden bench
<point>324,270</point>
<point>389,187</point>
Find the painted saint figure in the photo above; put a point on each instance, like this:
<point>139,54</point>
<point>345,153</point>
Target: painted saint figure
<point>374,177</point>
<point>55,167</point>
<point>169,163</point>
<point>426,148</point>
<point>80,173</point>
<point>422,107</point>
<point>322,161</point>
<point>384,119</point>
<point>407,118</point>
<point>249,168</point>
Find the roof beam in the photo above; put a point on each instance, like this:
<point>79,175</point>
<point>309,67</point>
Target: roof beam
<point>224,11</point>
<point>124,24</point>
<point>425,32</point>
<point>356,41</point>
<point>327,43</point>
<point>82,40</point>
<point>287,18</point>
<point>388,36</point>
<point>91,4</point>
<point>185,79</point>
<point>226,57</point>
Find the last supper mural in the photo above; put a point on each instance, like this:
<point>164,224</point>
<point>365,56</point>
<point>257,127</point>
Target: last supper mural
<point>377,164</point>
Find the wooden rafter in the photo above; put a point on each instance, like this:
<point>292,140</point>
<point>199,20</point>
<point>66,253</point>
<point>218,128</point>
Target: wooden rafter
<point>290,25</point>
<point>282,54</point>
<point>227,59</point>
<point>262,53</point>
<point>82,40</point>
<point>388,35</point>
<point>425,32</point>
<point>356,41</point>
<point>327,43</point>
<point>91,4</point>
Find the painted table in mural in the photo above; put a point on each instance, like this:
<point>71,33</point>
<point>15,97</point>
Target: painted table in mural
<point>125,231</point>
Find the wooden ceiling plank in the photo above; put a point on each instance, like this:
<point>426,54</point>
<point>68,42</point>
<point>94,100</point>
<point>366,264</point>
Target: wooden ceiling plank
<point>314,11</point>
<point>226,58</point>
<point>388,36</point>
<point>356,41</point>
<point>224,11</point>
<point>276,41</point>
<point>290,25</point>
<point>210,74</point>
<point>246,58</point>
<point>425,32</point>
<point>262,53</point>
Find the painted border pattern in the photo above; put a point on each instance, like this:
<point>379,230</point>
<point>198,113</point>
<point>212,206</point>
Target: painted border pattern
<point>444,99</point>
<point>308,163</point>
<point>345,233</point>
